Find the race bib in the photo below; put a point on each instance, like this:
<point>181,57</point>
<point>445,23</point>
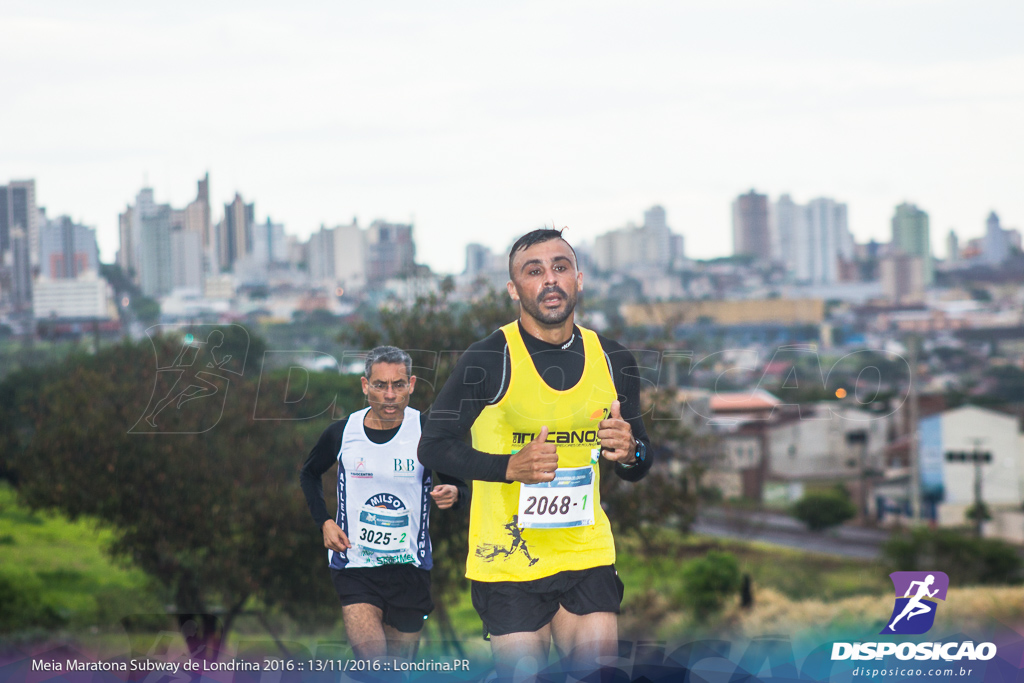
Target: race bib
<point>565,501</point>
<point>383,530</point>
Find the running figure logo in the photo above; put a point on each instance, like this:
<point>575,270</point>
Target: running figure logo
<point>190,391</point>
<point>489,551</point>
<point>916,595</point>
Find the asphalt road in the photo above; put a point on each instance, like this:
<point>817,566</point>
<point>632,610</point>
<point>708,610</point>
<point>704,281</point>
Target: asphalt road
<point>779,529</point>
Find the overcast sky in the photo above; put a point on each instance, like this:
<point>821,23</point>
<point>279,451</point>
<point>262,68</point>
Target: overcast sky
<point>480,121</point>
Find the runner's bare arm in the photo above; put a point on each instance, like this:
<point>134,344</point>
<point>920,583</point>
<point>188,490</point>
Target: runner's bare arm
<point>334,537</point>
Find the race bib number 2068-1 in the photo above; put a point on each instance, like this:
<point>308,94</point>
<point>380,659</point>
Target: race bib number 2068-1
<point>566,501</point>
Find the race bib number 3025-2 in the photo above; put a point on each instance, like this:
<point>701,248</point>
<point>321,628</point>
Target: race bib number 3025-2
<point>565,501</point>
<point>383,530</point>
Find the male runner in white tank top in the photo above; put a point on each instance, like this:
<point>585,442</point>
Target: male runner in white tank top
<point>378,544</point>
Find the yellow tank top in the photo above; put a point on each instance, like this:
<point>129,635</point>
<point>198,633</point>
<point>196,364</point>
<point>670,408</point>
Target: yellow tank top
<point>500,548</point>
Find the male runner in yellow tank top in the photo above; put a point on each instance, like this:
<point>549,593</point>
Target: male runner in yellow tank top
<point>544,400</point>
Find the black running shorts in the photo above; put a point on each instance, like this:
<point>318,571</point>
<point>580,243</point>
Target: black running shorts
<point>401,591</point>
<point>518,606</point>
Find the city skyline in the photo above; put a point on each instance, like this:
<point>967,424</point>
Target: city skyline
<point>442,119</point>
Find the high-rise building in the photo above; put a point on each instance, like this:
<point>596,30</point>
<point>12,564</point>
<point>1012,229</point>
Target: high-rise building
<point>788,228</point>
<point>5,221</point>
<point>952,247</point>
<point>197,219</point>
<point>18,209</point>
<point>350,256</point>
<point>910,235</point>
<point>321,256</point>
<point>478,259</point>
<point>390,251</point>
<point>269,245</point>
<point>750,233</point>
<point>187,270</point>
<point>996,243</point>
<point>20,269</point>
<point>19,243</point>
<point>66,249</point>
<point>236,231</point>
<point>830,239</point>
<point>130,227</point>
<point>657,238</point>
<point>126,253</point>
<point>812,241</point>
<point>620,250</point>
<point>156,259</point>
<point>652,245</point>
<point>164,248</point>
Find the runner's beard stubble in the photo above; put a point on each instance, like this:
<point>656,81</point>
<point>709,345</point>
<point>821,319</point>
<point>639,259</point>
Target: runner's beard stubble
<point>550,317</point>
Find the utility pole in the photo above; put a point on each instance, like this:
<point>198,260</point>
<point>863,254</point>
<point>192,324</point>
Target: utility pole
<point>859,438</point>
<point>915,467</point>
<point>976,456</point>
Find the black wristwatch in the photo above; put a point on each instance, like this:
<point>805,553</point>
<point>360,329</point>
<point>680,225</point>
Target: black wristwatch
<point>638,456</point>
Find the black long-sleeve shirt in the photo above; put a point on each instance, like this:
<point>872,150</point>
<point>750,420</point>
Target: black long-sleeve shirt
<point>324,455</point>
<point>480,379</point>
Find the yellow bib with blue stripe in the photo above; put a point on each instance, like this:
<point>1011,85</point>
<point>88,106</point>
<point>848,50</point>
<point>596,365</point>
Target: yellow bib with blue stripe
<point>522,533</point>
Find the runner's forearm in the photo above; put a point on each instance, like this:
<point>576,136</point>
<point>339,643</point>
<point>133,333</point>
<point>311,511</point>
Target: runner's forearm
<point>455,458</point>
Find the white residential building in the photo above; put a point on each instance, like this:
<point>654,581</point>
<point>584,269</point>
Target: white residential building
<point>87,296</point>
<point>948,486</point>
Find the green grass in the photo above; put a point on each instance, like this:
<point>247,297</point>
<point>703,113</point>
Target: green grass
<point>63,567</point>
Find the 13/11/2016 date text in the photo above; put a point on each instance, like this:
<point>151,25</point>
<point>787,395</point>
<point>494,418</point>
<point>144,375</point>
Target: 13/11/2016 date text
<point>343,665</point>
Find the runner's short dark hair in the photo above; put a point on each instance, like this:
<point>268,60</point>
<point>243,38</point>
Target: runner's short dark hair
<point>387,354</point>
<point>536,237</point>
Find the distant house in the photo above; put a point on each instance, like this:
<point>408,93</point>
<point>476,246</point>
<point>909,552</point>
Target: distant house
<point>948,483</point>
<point>774,451</point>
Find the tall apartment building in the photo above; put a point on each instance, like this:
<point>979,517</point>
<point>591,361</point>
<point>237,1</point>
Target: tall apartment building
<point>351,255</point>
<point>269,244</point>
<point>19,276</point>
<point>198,220</point>
<point>156,260</point>
<point>952,247</point>
<point>126,253</point>
<point>788,228</point>
<point>19,243</point>
<point>321,256</point>
<point>651,245</point>
<point>830,240</point>
<point>146,252</point>
<point>187,269</point>
<point>66,249</point>
<point>750,231</point>
<point>910,235</point>
<point>390,251</point>
<point>236,231</point>
<point>811,240</point>
<point>18,209</point>
<point>478,259</point>
<point>996,243</point>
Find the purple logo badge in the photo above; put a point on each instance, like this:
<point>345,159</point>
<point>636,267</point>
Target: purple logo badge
<point>917,594</point>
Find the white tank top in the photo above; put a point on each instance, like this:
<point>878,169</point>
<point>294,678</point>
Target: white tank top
<point>383,497</point>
